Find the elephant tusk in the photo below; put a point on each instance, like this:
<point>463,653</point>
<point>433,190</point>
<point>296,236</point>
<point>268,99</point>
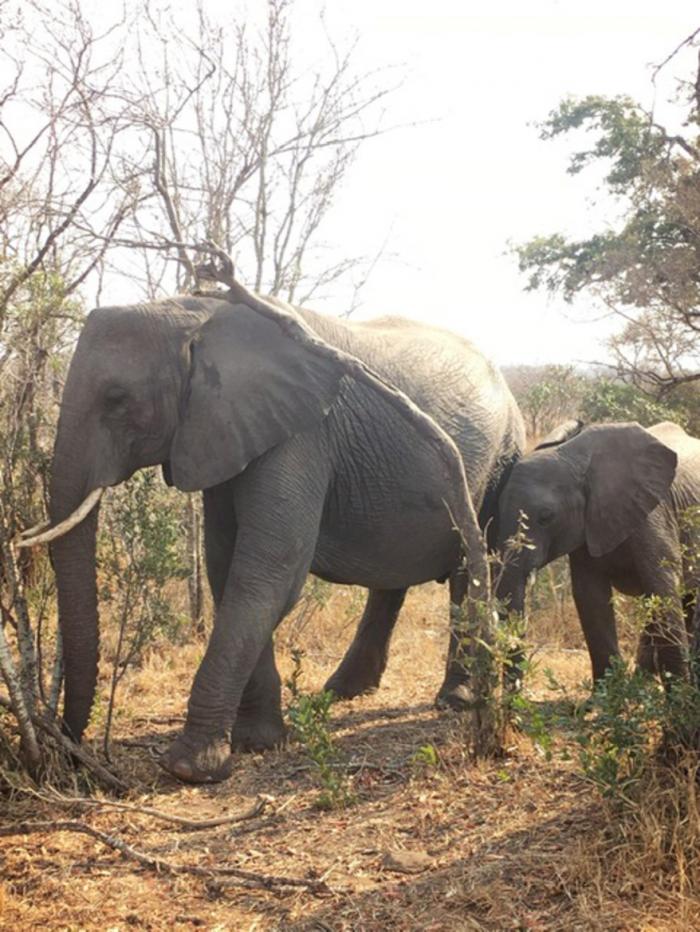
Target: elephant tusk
<point>31,531</point>
<point>80,513</point>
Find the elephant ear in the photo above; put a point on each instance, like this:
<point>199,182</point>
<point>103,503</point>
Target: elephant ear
<point>627,473</point>
<point>251,386</point>
<point>561,434</point>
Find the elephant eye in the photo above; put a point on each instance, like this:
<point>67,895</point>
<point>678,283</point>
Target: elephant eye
<point>115,398</point>
<point>545,516</point>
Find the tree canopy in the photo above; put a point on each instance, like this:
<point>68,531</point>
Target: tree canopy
<point>646,267</point>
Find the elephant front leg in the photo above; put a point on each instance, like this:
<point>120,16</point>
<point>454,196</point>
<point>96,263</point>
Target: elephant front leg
<point>202,753</point>
<point>592,594</point>
<point>275,542</point>
<point>259,725</point>
<point>248,614</point>
<point>363,664</point>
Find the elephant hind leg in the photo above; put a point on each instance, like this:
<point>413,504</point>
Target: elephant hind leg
<point>362,666</point>
<point>592,594</point>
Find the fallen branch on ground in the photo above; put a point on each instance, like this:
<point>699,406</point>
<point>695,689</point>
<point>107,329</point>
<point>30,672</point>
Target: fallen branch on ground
<point>188,824</point>
<point>160,865</point>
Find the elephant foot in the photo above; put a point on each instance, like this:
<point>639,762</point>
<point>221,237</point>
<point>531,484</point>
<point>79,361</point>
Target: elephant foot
<point>252,732</point>
<point>660,658</point>
<point>194,762</point>
<point>458,697</point>
<point>350,681</point>
<point>344,687</point>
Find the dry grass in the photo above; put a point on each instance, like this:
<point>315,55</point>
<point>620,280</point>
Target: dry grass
<point>517,844</point>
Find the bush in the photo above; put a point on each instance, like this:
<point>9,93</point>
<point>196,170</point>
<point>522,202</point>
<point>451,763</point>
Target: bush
<point>140,551</point>
<point>608,400</point>
<point>639,748</point>
<point>309,715</point>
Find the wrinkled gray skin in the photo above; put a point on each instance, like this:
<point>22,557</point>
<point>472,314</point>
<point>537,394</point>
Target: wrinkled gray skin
<point>612,497</point>
<point>303,469</point>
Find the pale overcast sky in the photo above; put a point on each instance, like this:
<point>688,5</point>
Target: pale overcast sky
<point>452,193</point>
<point>455,192</point>
<point>449,195</point>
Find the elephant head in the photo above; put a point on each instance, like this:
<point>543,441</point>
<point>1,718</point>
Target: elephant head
<point>589,486</point>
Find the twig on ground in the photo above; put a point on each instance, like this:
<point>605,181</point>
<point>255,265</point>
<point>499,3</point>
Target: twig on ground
<point>161,719</point>
<point>189,824</point>
<point>359,767</point>
<point>160,865</point>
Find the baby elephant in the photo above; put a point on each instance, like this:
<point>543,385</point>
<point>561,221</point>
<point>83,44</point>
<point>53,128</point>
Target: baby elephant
<point>618,499</point>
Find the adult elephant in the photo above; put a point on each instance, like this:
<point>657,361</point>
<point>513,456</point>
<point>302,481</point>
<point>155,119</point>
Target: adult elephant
<point>312,457</point>
<point>619,500</point>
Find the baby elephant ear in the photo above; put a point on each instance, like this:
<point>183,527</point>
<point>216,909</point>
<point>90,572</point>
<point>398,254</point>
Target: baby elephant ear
<point>629,473</point>
<point>251,386</point>
<point>561,434</point>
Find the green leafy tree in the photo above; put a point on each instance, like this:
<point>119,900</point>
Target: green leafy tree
<point>644,267</point>
<point>609,400</point>
<point>547,395</point>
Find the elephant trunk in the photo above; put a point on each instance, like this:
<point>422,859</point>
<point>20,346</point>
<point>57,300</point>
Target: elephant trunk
<point>510,590</point>
<point>73,557</point>
<point>510,593</point>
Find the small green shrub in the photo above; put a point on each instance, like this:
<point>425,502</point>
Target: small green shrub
<point>635,722</point>
<point>639,748</point>
<point>426,757</point>
<point>616,738</point>
<point>309,715</point>
<point>493,654</point>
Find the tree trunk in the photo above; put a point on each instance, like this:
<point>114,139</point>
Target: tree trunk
<point>194,551</point>
<point>30,747</point>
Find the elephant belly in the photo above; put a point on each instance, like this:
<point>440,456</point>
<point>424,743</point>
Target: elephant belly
<point>404,550</point>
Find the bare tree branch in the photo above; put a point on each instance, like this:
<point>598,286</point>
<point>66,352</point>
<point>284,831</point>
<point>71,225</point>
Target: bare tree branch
<point>681,45</point>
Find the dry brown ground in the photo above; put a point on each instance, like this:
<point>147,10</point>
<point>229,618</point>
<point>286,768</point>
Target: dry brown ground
<point>508,845</point>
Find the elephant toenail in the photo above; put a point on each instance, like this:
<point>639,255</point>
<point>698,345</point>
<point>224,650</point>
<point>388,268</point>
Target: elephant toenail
<point>182,770</point>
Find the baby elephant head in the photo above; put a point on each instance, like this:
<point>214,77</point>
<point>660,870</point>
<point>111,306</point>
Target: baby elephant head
<point>589,486</point>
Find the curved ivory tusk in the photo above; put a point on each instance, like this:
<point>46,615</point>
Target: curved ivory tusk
<point>80,513</point>
<point>31,531</point>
